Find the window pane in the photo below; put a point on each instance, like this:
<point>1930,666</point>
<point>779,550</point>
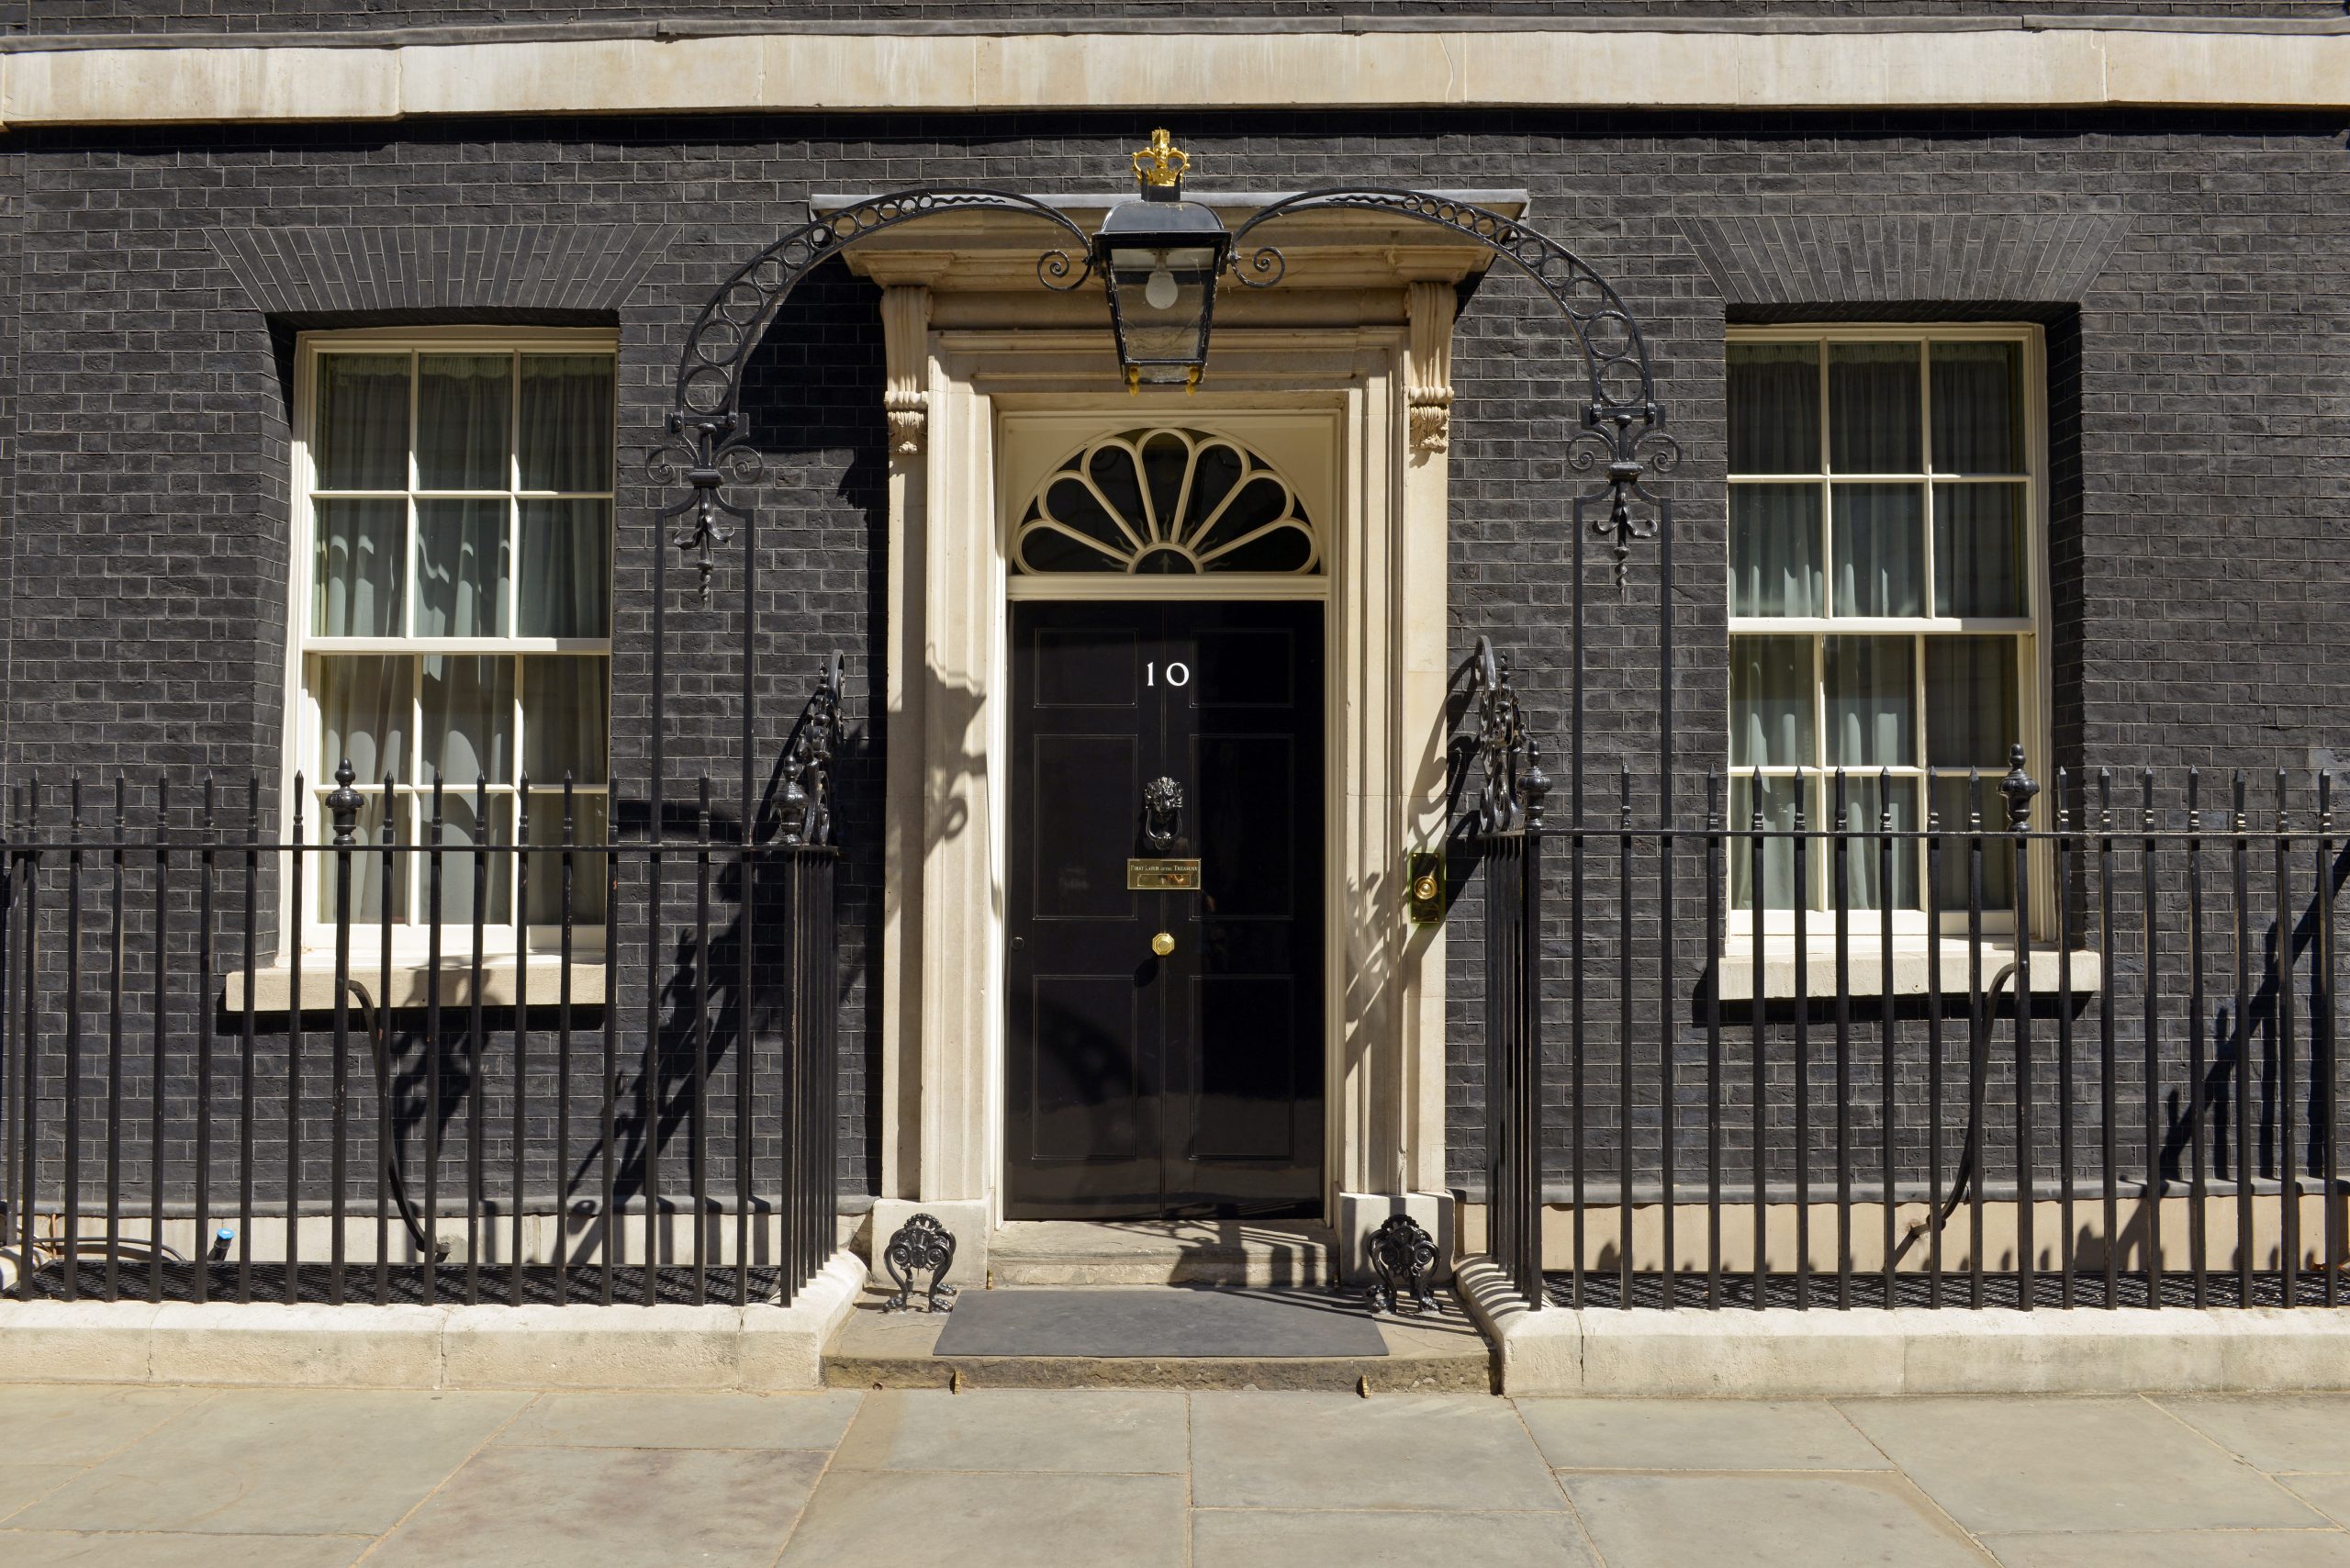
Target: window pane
<point>1778,854</point>
<point>566,569</point>
<point>362,441</point>
<point>1978,550</point>
<point>1866,797</point>
<point>1971,701</point>
<point>1873,417</point>
<point>468,720</point>
<point>458,871</point>
<point>1774,407</point>
<point>355,568</point>
<point>1978,407</point>
<point>367,877</point>
<point>1869,696</point>
<point>363,716</point>
<point>1770,702</point>
<point>461,567</point>
<point>1952,804</point>
<point>1774,549</point>
<point>587,826</point>
<point>563,719</point>
<point>462,401</point>
<point>566,436</point>
<point>1879,544</point>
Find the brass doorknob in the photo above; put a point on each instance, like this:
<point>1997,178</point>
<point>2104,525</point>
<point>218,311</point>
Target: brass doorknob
<point>1162,944</point>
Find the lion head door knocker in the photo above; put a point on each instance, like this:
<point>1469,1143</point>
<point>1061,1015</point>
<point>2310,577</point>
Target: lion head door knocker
<point>921,1244</point>
<point>1162,813</point>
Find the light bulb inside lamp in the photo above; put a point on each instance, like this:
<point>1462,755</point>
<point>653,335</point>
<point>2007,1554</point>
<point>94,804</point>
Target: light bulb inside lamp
<point>1158,290</point>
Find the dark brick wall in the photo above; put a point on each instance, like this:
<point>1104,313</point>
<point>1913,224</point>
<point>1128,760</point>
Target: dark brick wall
<point>305,15</point>
<point>2193,274</point>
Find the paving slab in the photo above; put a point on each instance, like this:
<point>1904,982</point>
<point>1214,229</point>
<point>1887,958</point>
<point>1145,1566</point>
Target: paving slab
<point>2274,1432</point>
<point>24,1484</point>
<point>1099,1432</point>
<point>1843,1519</point>
<point>280,1462</point>
<point>2029,1466</point>
<point>2329,1493</point>
<point>2176,1549</point>
<point>44,1548</point>
<point>1698,1434</point>
<point>1252,1537</point>
<point>68,1424</point>
<point>544,1507</point>
<point>1009,1520</point>
<point>1402,1451</point>
<point>683,1421</point>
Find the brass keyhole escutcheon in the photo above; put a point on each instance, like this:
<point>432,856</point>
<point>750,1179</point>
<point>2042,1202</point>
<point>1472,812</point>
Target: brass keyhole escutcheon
<point>1163,944</point>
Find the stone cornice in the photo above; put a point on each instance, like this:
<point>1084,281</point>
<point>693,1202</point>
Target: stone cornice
<point>1586,67</point>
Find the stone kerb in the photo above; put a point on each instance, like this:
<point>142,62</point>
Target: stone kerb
<point>1782,1353</point>
<point>759,1348</point>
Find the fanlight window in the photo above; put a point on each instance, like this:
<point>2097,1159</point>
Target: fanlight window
<point>1166,502</point>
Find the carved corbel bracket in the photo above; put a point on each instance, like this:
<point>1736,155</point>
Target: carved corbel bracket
<point>905,398</point>
<point>1427,364</point>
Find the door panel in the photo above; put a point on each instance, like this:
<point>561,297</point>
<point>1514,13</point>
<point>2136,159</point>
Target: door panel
<point>1189,1084</point>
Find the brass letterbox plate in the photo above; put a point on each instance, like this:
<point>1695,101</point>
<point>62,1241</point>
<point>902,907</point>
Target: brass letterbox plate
<point>1162,876</point>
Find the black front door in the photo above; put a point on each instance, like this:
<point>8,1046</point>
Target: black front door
<point>1189,1082</point>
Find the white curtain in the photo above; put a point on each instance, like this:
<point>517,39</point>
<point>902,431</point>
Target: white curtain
<point>468,707</point>
<point>355,571</point>
<point>1870,697</point>
<point>362,441</point>
<point>1878,534</point>
<point>1972,721</point>
<point>1770,702</point>
<point>462,401</point>
<point>1872,416</point>
<point>363,717</point>
<point>461,569</point>
<point>1977,412</point>
<point>566,442</point>
<point>1774,394</point>
<point>1774,549</point>
<point>567,588</point>
<point>563,719</point>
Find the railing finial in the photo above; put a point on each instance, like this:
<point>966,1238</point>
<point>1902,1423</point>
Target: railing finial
<point>344,803</point>
<point>2019,787</point>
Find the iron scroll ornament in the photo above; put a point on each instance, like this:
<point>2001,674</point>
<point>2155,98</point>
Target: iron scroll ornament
<point>805,806</point>
<point>1403,1265</point>
<point>1623,432</point>
<point>1512,785</point>
<point>921,1245</point>
<point>706,445</point>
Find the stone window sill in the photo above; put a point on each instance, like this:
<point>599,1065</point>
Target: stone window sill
<point>1907,970</point>
<point>272,988</point>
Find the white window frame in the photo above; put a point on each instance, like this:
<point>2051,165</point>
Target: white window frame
<point>2029,629</point>
<point>304,728</point>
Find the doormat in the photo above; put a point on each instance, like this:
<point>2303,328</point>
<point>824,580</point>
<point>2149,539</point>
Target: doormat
<point>1161,1321</point>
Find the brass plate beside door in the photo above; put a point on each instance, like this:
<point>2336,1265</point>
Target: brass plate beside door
<point>1162,876</point>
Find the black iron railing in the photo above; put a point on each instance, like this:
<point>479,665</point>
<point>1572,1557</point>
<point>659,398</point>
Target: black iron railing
<point>632,1097</point>
<point>2138,1105</point>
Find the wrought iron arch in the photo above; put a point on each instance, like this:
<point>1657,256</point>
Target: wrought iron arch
<point>1623,424</point>
<point>706,445</point>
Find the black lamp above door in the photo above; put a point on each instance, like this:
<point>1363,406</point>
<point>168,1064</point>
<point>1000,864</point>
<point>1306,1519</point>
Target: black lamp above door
<point>1160,257</point>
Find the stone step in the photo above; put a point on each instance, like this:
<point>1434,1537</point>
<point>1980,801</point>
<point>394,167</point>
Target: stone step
<point>1160,1252</point>
<point>1445,1354</point>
